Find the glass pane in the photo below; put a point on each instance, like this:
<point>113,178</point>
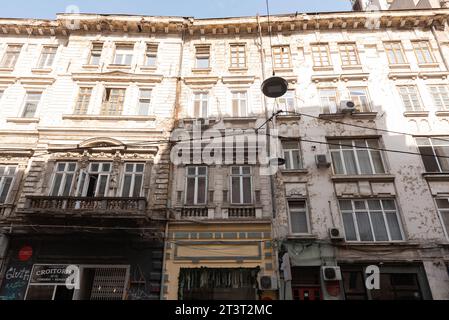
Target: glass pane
<point>137,185</point>
<point>236,190</point>
<point>102,186</point>
<point>351,168</point>
<point>296,159</point>
<point>126,185</point>
<point>359,205</point>
<point>393,225</point>
<point>201,191</point>
<point>40,293</point>
<point>68,184</point>
<point>202,63</point>
<point>377,161</point>
<point>247,190</point>
<point>443,157</point>
<point>338,164</point>
<point>129,167</point>
<point>430,161</point>
<point>246,170</point>
<point>139,167</point>
<point>191,171</point>
<point>389,204</point>
<point>202,170</point>
<point>443,203</point>
<point>106,167</point>
<point>190,193</point>
<point>349,226</point>
<point>364,226</point>
<point>345,205</point>
<point>374,205</point>
<point>61,166</point>
<point>6,186</point>
<point>445,217</point>
<point>56,185</point>
<point>94,167</point>
<point>72,166</point>
<point>364,162</point>
<point>380,230</point>
<point>298,222</point>
<point>235,170</point>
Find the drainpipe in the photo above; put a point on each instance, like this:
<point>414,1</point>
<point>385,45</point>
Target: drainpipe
<point>273,196</point>
<point>171,167</point>
<point>439,46</point>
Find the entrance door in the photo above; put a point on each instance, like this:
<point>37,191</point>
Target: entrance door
<point>103,283</point>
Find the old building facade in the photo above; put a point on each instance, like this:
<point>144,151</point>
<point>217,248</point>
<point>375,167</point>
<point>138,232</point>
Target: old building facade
<point>106,128</point>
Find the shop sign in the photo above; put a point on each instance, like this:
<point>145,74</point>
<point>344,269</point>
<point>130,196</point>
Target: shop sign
<point>50,273</point>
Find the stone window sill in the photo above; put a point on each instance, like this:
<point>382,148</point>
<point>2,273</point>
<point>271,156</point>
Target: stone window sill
<point>352,67</point>
<point>100,117</point>
<point>90,66</point>
<point>41,70</point>
<point>400,66</point>
<point>411,114</point>
<point>436,176</point>
<point>429,65</point>
<point>3,69</point>
<point>355,115</point>
<point>444,113</point>
<point>148,68</point>
<point>325,68</point>
<point>22,120</point>
<point>294,171</point>
<point>119,66</point>
<point>370,177</point>
<point>237,69</point>
<point>201,70</point>
<point>283,69</point>
<point>302,237</point>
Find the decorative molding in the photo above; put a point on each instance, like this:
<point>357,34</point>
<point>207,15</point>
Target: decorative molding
<point>117,76</point>
<point>85,117</point>
<point>403,75</point>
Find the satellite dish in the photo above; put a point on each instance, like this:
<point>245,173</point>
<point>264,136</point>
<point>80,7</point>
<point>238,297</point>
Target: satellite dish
<point>274,87</point>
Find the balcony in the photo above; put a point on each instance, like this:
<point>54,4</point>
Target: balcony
<point>213,213</point>
<point>118,207</point>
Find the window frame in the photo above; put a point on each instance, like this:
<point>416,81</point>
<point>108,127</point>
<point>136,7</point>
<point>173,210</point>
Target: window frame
<point>95,50</point>
<point>26,101</point>
<point>200,97</point>
<point>290,154</point>
<point>151,50</point>
<point>82,187</point>
<point>368,211</point>
<point>444,105</point>
<point>337,99</point>
<point>4,177</point>
<point>419,49</point>
<point>280,58</point>
<point>16,55</point>
<point>106,102</point>
<point>395,51</point>
<point>125,47</point>
<point>196,176</point>
<point>432,145</point>
<point>241,177</point>
<point>83,99</point>
<point>202,52</point>
<point>347,53</point>
<point>306,213</point>
<point>133,175</point>
<point>354,150</point>
<point>64,174</point>
<point>320,52</point>
<point>239,96</point>
<point>290,95</point>
<point>409,94</point>
<point>367,95</point>
<point>238,56</point>
<point>45,57</point>
<point>440,215</point>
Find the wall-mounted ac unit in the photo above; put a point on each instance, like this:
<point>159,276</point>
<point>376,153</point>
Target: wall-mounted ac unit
<point>331,273</point>
<point>268,283</point>
<point>347,106</point>
<point>335,234</point>
<point>321,161</point>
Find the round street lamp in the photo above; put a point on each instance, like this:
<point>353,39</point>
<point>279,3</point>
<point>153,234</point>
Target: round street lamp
<point>274,87</point>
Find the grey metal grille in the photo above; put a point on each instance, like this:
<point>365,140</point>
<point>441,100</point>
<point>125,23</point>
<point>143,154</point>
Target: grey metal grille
<point>109,283</point>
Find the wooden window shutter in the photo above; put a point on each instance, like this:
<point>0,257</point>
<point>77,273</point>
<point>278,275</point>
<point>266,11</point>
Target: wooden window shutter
<point>15,186</point>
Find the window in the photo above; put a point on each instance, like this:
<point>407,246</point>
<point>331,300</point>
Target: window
<point>95,54</point>
<point>292,155</point>
<point>299,222</point>
<point>320,55</point>
<point>440,95</point>
<point>356,156</point>
<point>239,104</point>
<point>395,52</point>
<point>287,102</point>
<point>95,181</point>
<point>422,52</point>
<point>132,180</point>
<point>328,100</point>
<point>82,103</point>
<point>348,54</point>
<point>281,56</point>
<point>434,153</point>
<point>238,56</point>
<point>200,105</point>
<point>47,57</point>
<point>196,186</point>
<point>443,207</point>
<point>360,98</point>
<point>63,179</point>
<point>410,98</point>
<point>202,56</point>
<point>151,55</point>
<point>113,101</point>
<point>11,56</point>
<point>31,102</point>
<point>241,185</point>
<point>144,102</point>
<point>370,220</point>
<point>7,174</point>
<point>124,54</point>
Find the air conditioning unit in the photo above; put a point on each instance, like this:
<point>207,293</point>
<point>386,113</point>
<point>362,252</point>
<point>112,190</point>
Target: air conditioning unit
<point>335,234</point>
<point>347,106</point>
<point>268,283</point>
<point>331,273</point>
<point>321,161</point>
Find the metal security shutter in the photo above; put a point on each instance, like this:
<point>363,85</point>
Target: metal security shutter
<point>109,283</point>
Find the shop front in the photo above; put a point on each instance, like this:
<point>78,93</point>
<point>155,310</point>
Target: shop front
<point>78,267</point>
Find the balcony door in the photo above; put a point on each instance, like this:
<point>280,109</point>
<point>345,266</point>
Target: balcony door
<point>94,182</point>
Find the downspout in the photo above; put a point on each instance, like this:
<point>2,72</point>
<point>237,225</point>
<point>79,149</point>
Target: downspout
<point>273,197</point>
<point>175,123</point>
<point>439,46</point>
